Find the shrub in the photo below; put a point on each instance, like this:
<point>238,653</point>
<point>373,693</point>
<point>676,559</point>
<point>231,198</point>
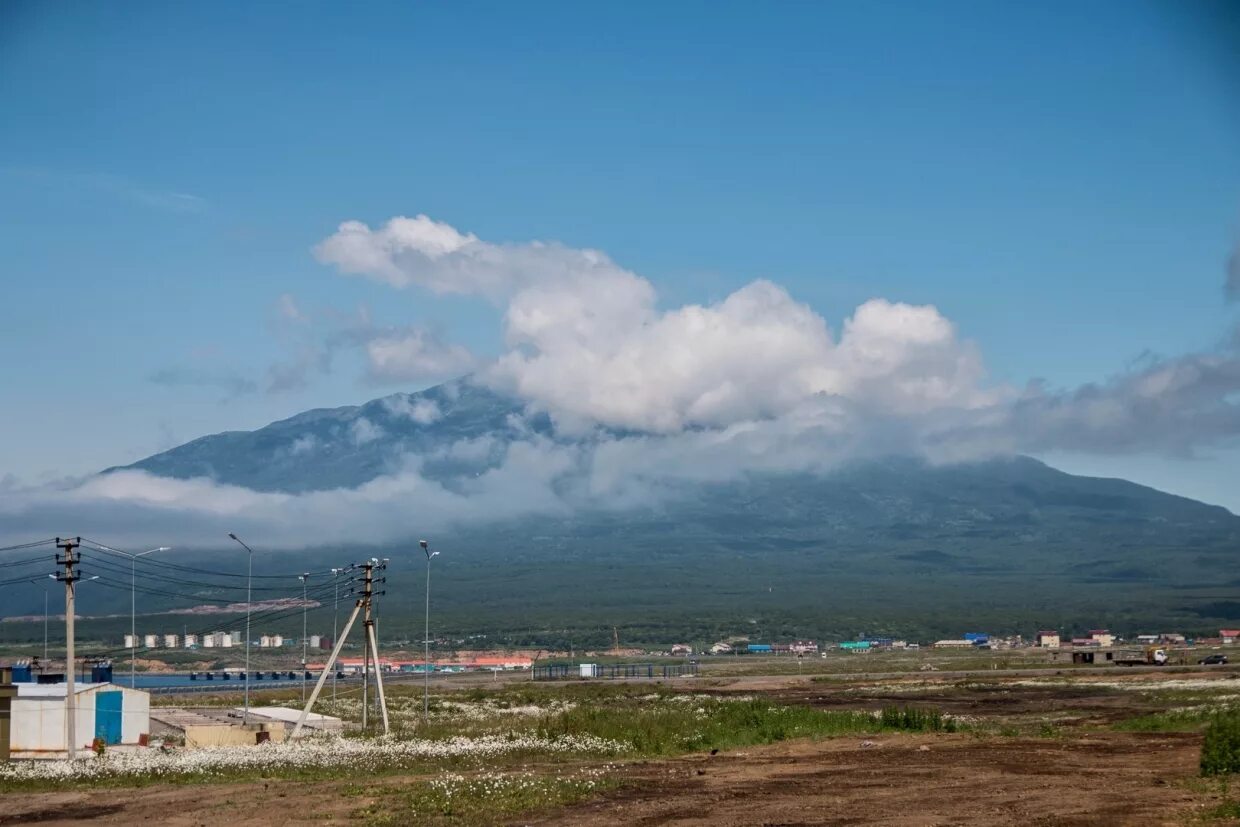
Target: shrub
<point>916,720</point>
<point>1220,753</point>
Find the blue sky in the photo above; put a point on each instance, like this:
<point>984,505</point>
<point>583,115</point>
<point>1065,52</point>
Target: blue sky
<point>1062,181</point>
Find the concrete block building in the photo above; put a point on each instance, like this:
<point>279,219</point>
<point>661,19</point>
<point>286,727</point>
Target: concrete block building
<point>116,714</point>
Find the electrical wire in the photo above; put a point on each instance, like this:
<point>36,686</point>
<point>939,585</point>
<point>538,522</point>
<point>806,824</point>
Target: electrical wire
<point>35,544</point>
<point>10,564</point>
<point>194,570</point>
<point>120,568</point>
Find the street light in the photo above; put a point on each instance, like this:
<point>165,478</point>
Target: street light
<point>44,584</point>
<point>335,620</point>
<point>249,577</point>
<point>304,604</point>
<point>426,642</point>
<point>133,613</point>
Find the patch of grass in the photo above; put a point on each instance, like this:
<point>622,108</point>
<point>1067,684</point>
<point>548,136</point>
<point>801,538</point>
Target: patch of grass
<point>915,719</point>
<point>483,799</point>
<point>690,723</point>
<point>1220,751</point>
<point>1174,720</point>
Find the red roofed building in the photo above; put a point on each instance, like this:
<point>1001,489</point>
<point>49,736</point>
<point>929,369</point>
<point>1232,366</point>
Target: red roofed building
<point>1229,636</point>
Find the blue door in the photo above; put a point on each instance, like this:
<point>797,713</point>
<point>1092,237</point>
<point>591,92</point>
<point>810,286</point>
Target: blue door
<point>108,717</point>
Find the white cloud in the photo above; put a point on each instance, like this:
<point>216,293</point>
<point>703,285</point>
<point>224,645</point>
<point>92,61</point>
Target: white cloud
<point>363,430</point>
<point>588,343</point>
<point>421,411</point>
<point>434,255</point>
<point>414,355</point>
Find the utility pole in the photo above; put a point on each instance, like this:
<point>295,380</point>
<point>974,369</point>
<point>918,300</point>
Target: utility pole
<point>68,560</point>
<point>369,626</point>
<point>369,647</point>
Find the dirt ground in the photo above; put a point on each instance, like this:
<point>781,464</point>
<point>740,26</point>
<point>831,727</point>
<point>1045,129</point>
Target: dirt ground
<point>1083,775</point>
<point>913,780</point>
<point>954,780</point>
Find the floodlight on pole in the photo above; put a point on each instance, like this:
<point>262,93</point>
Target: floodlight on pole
<point>249,577</point>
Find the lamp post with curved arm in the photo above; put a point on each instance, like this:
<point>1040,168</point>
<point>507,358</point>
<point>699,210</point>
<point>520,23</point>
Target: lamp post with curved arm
<point>133,603</point>
<point>426,642</point>
<point>249,577</point>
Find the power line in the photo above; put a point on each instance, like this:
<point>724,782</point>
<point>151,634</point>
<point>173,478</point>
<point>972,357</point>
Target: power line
<point>9,564</point>
<point>35,544</point>
<point>195,570</point>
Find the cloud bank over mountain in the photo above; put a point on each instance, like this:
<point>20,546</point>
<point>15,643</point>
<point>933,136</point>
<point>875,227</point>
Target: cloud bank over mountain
<point>588,343</point>
<point>641,400</point>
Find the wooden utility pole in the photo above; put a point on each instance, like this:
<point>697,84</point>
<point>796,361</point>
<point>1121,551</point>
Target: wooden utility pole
<point>68,560</point>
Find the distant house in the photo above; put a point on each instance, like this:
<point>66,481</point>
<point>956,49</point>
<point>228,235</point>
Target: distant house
<point>804,647</point>
<point>759,648</point>
<point>855,646</point>
<point>1230,636</point>
<point>781,648</point>
<point>721,649</point>
<point>681,649</point>
<point>1102,637</point>
<point>953,644</point>
<point>1173,638</point>
<point>1084,642</point>
<point>1048,640</point>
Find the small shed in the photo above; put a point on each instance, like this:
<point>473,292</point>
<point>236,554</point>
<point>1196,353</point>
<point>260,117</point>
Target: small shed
<point>116,714</point>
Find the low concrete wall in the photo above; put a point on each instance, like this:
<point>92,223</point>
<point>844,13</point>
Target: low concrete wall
<point>225,735</point>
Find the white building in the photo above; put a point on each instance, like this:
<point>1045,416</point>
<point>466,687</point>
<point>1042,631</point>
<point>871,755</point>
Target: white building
<point>172,641</point>
<point>316,641</point>
<point>191,641</point>
<point>151,641</point>
<point>131,641</point>
<point>115,713</point>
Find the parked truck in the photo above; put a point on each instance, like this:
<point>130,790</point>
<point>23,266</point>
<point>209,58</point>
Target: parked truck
<point>1150,656</point>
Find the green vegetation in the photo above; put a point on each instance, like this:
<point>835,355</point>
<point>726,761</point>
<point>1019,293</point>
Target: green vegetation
<point>915,720</point>
<point>485,799</point>
<point>1174,720</point>
<point>1220,752</point>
